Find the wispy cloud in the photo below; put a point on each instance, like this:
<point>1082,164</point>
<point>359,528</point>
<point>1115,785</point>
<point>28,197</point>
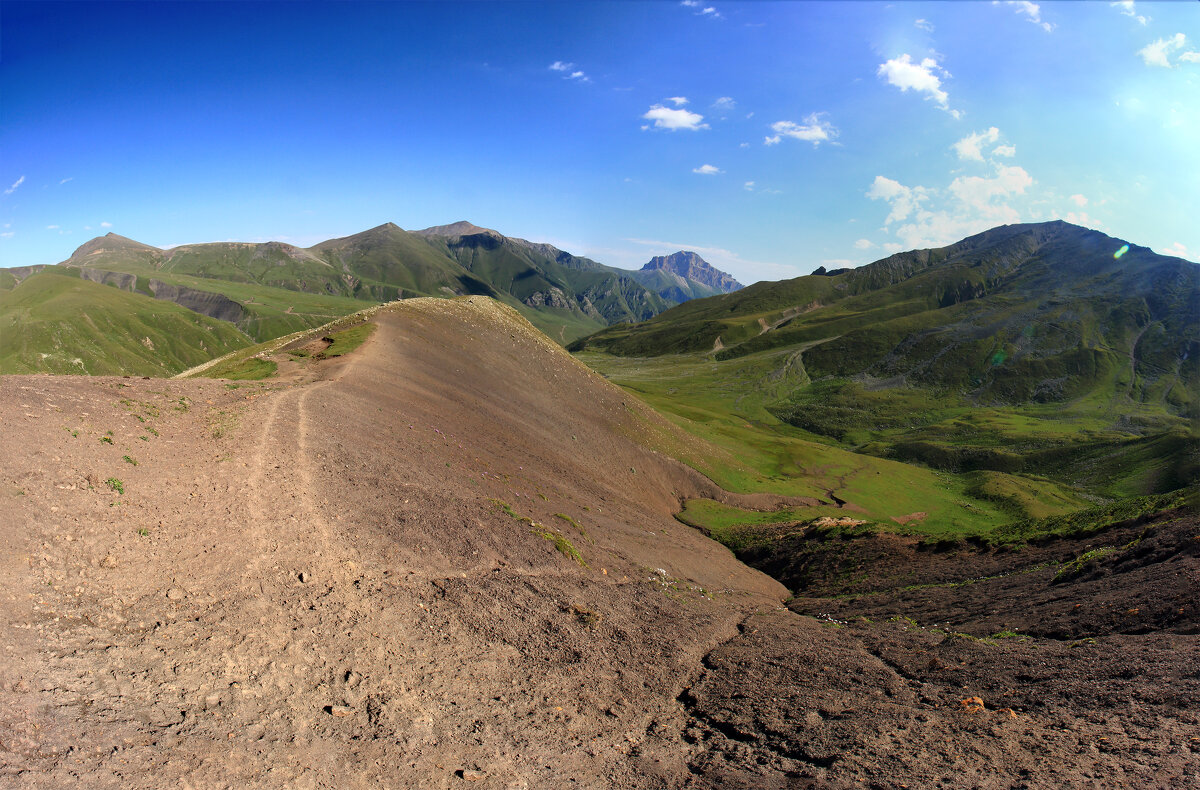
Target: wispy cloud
<point>924,77</point>
<point>971,147</point>
<point>927,217</point>
<point>724,104</point>
<point>673,119</point>
<point>106,224</point>
<point>65,180</point>
<point>8,234</point>
<point>1031,11</point>
<point>863,244</point>
<point>52,227</point>
<point>1129,9</point>
<point>815,130</point>
<point>16,184</point>
<point>1177,249</point>
<point>678,101</point>
<point>1159,52</point>
<point>1079,200</point>
<point>748,186</point>
<point>924,24</point>
<point>707,170</point>
<point>569,71</point>
<point>700,9</point>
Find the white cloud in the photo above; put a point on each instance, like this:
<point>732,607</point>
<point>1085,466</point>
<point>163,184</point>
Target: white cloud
<point>106,224</point>
<point>863,244</point>
<point>701,9</point>
<point>924,24</point>
<point>7,234</point>
<point>971,146</point>
<point>679,100</point>
<point>921,77</point>
<point>707,170</point>
<point>569,71</point>
<point>1032,11</point>
<point>1159,52</point>
<point>748,186</point>
<point>1005,150</point>
<point>815,130</point>
<point>52,227</point>
<point>672,120</point>
<point>724,104</point>
<point>904,200</point>
<point>1128,9</point>
<point>1082,218</point>
<point>1190,57</point>
<point>16,184</point>
<point>65,180</point>
<point>926,217</point>
<point>978,192</point>
<point>1177,249</point>
<point>1079,200</point>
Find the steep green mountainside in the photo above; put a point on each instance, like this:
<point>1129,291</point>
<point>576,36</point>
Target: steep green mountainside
<point>547,279</point>
<point>564,295</point>
<point>57,322</point>
<point>1032,366</point>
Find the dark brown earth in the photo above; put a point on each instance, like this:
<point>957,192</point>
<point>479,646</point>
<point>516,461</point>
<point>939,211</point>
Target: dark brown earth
<point>314,582</point>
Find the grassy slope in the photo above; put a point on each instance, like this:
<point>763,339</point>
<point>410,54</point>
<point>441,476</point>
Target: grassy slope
<point>52,322</point>
<point>1031,369</point>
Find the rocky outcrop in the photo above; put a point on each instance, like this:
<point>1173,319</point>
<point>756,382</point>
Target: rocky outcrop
<point>691,266</point>
<point>206,303</point>
<point>126,282</point>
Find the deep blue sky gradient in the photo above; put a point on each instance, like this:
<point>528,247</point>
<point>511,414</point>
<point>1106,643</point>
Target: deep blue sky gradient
<point>186,122</point>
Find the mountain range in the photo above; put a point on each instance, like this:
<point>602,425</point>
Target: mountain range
<point>270,289</point>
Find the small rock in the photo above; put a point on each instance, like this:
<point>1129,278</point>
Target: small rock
<point>471,776</point>
<point>175,594</point>
<point>340,710</point>
<point>304,577</point>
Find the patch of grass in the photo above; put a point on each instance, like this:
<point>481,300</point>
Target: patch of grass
<point>560,542</point>
<point>347,340</point>
<point>129,460</point>
<point>106,439</point>
<point>1007,634</point>
<point>115,485</point>
<point>576,525</point>
<point>505,507</point>
<point>143,532</point>
<point>222,423</point>
<point>250,369</point>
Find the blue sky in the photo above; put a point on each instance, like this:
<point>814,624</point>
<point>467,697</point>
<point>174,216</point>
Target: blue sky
<point>771,138</point>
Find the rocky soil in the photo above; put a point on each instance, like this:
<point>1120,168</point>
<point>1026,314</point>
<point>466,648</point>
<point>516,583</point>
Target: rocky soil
<point>449,560</point>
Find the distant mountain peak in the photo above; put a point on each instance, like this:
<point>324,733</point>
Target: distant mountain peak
<point>110,242</point>
<point>691,266</point>
<point>460,228</point>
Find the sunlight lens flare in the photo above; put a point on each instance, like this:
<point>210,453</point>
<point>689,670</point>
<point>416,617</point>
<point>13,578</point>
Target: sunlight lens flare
<point>1124,249</point>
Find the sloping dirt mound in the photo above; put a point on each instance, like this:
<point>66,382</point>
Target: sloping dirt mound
<point>448,559</point>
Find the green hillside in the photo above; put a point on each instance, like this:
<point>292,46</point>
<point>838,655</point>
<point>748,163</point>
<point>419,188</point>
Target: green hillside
<point>1029,367</point>
<point>57,323</point>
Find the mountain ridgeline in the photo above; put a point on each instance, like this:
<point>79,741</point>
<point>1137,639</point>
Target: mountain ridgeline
<point>1040,312</point>
<point>1020,355</point>
<point>271,289</point>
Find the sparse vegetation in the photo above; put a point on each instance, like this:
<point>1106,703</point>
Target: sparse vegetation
<point>115,484</point>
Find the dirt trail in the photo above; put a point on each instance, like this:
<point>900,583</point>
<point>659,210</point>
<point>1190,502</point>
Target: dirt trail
<point>362,576</point>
